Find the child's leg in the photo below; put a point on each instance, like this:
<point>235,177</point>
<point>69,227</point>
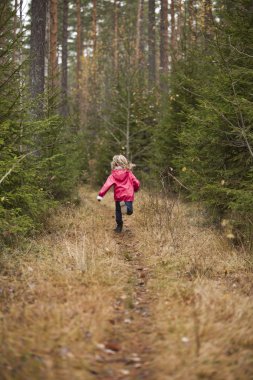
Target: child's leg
<point>118,214</point>
<point>129,206</point>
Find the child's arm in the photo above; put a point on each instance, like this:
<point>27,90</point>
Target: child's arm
<point>107,185</point>
<point>136,182</point>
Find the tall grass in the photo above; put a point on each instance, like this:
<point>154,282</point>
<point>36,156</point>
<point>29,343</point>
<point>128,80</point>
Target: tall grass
<point>203,285</point>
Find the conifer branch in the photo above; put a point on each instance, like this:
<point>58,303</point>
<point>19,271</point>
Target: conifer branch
<point>21,158</point>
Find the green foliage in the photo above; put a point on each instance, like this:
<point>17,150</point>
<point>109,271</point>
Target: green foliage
<point>141,107</point>
<point>41,160</point>
<point>200,130</point>
<point>205,133</point>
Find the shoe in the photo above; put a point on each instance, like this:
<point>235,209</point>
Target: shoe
<point>118,229</point>
<point>123,208</point>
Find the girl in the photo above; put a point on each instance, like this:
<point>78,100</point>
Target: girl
<point>125,185</point>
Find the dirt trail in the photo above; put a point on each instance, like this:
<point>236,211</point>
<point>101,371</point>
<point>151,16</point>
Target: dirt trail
<point>127,351</point>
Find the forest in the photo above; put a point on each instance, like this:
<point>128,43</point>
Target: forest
<point>168,84</point>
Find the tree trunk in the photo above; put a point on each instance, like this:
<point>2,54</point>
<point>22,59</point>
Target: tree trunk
<point>192,34</point>
<point>78,51</point>
<point>20,23</point>
<point>208,17</point>
<point>37,51</point>
<point>173,29</point>
<point>138,48</point>
<point>21,74</point>
<point>151,43</point>
<point>142,35</point>
<point>15,27</point>
<point>179,29</point>
<point>164,40</point>
<point>53,62</point>
<point>64,77</point>
<point>47,45</point>
<point>128,122</point>
<point>94,26</point>
<point>116,37</point>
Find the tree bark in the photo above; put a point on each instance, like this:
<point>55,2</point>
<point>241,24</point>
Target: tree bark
<point>208,17</point>
<point>116,37</point>
<point>15,27</point>
<point>151,43</point>
<point>192,34</point>
<point>78,51</point>
<point>179,19</point>
<point>138,48</point>
<point>179,29</point>
<point>142,34</point>
<point>94,26</point>
<point>37,51</point>
<point>128,122</point>
<point>173,29</point>
<point>64,77</point>
<point>164,40</point>
<point>53,62</point>
<point>21,74</point>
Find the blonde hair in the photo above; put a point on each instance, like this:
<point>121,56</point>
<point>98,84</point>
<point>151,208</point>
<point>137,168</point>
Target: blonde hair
<point>122,161</point>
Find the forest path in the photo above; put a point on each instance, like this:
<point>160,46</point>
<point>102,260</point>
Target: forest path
<point>127,351</point>
<point>169,298</point>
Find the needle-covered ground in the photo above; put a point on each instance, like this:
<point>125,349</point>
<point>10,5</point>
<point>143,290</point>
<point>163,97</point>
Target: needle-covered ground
<point>169,298</point>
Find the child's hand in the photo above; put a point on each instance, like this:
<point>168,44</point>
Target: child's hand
<point>99,198</point>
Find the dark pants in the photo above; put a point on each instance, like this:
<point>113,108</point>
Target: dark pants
<point>118,212</point>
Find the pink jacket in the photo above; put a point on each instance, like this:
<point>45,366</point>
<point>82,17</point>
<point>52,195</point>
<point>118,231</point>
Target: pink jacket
<point>124,182</point>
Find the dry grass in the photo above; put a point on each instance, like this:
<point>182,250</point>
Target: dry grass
<point>203,287</point>
<point>57,297</point>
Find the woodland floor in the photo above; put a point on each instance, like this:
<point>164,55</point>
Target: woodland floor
<point>169,298</point>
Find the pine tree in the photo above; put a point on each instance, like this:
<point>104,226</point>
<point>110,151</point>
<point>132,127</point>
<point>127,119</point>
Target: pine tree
<point>64,71</point>
<point>37,51</point>
<point>53,60</point>
<point>173,27</point>
<point>139,35</point>
<point>164,42</point>
<point>116,37</point>
<point>78,54</point>
<point>151,43</point>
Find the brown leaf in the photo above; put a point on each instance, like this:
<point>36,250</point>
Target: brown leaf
<point>113,346</point>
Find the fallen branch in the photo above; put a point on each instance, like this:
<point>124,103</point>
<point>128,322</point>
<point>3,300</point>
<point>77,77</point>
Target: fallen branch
<point>177,180</point>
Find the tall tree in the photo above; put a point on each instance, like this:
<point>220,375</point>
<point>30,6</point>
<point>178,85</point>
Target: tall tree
<point>64,76</point>
<point>208,16</point>
<point>37,51</point>
<point>15,22</point>
<point>191,21</point>
<point>78,51</point>
<point>142,34</point>
<point>21,73</point>
<point>173,29</point>
<point>94,27</point>
<point>53,62</point>
<point>116,36</point>
<point>179,25</point>
<point>20,26</point>
<point>164,40</point>
<point>151,42</point>
<point>139,34</point>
